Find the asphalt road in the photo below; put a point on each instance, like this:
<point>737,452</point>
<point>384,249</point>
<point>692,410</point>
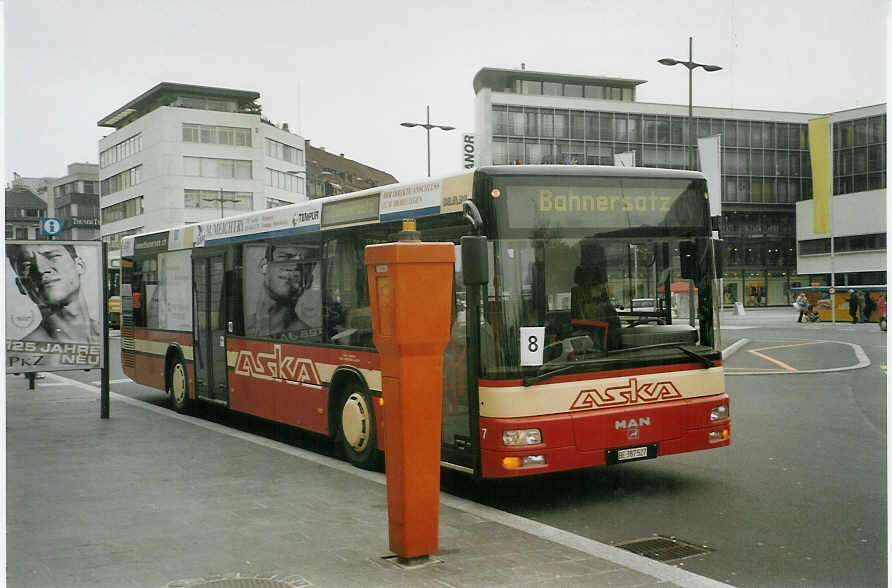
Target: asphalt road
<point>797,499</point>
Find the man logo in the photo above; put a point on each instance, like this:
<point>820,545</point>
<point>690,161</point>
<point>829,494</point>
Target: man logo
<point>631,393</point>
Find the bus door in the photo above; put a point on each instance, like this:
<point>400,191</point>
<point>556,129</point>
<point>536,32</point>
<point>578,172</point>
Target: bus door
<point>209,331</point>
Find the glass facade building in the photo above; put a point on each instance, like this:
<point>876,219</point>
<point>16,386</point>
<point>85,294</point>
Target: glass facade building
<point>765,160</point>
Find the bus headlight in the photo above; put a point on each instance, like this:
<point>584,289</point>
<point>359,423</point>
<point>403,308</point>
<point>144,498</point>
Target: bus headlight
<point>719,413</point>
<point>513,463</point>
<point>522,437</point>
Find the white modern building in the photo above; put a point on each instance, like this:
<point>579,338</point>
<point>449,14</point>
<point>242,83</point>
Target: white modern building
<point>857,208</point>
<point>529,117</point>
<point>183,154</point>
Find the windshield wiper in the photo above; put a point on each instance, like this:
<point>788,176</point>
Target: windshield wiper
<point>572,367</point>
<point>568,368</point>
<point>680,346</point>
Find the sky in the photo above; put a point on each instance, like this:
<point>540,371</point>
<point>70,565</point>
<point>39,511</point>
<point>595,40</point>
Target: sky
<point>345,74</point>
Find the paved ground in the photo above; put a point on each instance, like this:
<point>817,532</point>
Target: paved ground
<point>151,498</point>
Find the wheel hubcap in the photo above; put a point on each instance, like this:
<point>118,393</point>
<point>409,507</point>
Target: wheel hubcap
<point>178,383</point>
<point>356,422</point>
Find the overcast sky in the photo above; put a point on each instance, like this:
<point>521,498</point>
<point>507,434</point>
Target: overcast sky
<point>345,74</point>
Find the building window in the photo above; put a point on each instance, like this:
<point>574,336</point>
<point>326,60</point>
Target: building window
<point>872,242</point>
<point>122,210</point>
<point>122,181</point>
<point>814,246</point>
<point>207,167</point>
<point>237,136</point>
<point>121,151</point>
<point>205,103</point>
<point>275,202</point>
<point>284,152</point>
<point>114,239</point>
<point>218,199</point>
<point>859,155</point>
<point>285,181</point>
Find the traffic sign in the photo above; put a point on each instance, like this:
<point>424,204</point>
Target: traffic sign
<point>51,226</point>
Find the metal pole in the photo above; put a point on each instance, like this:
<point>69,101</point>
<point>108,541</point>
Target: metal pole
<point>104,384</point>
<point>691,104</point>
<point>221,202</point>
<point>427,129</point>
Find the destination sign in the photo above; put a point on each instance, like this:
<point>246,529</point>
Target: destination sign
<point>606,204</point>
<point>353,210</point>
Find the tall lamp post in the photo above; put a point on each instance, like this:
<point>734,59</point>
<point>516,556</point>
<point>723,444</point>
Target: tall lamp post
<point>221,200</point>
<point>691,65</point>
<point>427,127</point>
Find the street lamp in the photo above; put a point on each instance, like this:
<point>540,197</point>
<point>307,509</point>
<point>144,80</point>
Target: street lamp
<point>427,127</point>
<point>221,199</point>
<point>691,67</point>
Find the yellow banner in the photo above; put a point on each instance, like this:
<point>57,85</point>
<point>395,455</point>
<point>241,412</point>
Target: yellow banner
<point>819,147</point>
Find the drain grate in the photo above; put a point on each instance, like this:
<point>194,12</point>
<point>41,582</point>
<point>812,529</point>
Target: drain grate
<point>239,581</point>
<point>664,549</point>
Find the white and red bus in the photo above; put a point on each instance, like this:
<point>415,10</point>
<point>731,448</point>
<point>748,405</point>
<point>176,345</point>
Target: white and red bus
<point>550,366</point>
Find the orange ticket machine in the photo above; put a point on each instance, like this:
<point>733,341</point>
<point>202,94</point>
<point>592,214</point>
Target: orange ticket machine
<point>410,285</point>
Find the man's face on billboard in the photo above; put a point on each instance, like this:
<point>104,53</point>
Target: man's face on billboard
<point>49,273</point>
<point>284,277</point>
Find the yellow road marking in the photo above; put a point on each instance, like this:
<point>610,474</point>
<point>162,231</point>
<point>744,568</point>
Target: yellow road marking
<point>790,345</point>
<point>772,360</point>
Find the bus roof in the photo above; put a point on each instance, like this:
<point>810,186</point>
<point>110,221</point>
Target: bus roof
<point>591,170</point>
<point>392,202</point>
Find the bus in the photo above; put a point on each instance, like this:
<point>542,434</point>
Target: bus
<point>113,296</point>
<point>549,365</point>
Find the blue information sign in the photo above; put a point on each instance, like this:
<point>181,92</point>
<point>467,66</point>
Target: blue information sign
<point>51,226</point>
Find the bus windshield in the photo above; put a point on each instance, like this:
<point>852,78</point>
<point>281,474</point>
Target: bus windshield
<point>605,284</point>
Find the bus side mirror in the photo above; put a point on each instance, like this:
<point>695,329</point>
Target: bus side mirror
<point>474,260</point>
<point>720,252</point>
<point>687,251</point>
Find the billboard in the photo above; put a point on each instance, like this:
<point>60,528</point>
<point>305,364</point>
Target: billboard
<point>53,306</point>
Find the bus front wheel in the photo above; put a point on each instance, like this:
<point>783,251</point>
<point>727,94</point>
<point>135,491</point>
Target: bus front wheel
<point>178,386</point>
<point>358,433</point>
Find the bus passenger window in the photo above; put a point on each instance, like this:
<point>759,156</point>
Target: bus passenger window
<point>346,307</point>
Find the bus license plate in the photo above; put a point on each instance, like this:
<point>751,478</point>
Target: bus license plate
<point>631,453</point>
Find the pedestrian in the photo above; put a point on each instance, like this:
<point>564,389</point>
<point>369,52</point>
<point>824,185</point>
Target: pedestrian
<point>802,304</point>
<point>868,307</point>
<point>854,308</point>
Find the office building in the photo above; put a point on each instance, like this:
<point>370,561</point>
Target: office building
<point>532,117</point>
<point>857,209</point>
<point>76,202</point>
<point>183,154</point>
<point>24,209</point>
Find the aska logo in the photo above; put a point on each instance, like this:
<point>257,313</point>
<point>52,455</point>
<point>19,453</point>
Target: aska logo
<point>276,366</point>
<point>631,393</point>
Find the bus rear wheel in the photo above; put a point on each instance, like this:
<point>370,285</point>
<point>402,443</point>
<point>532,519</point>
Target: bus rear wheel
<point>358,431</point>
<point>178,386</point>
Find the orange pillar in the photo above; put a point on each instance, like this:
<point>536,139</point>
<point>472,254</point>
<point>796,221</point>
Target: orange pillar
<point>410,284</point>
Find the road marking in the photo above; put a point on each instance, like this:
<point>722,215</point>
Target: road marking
<point>120,381</point>
<point>789,368</point>
<point>661,571</point>
<point>860,355</point>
